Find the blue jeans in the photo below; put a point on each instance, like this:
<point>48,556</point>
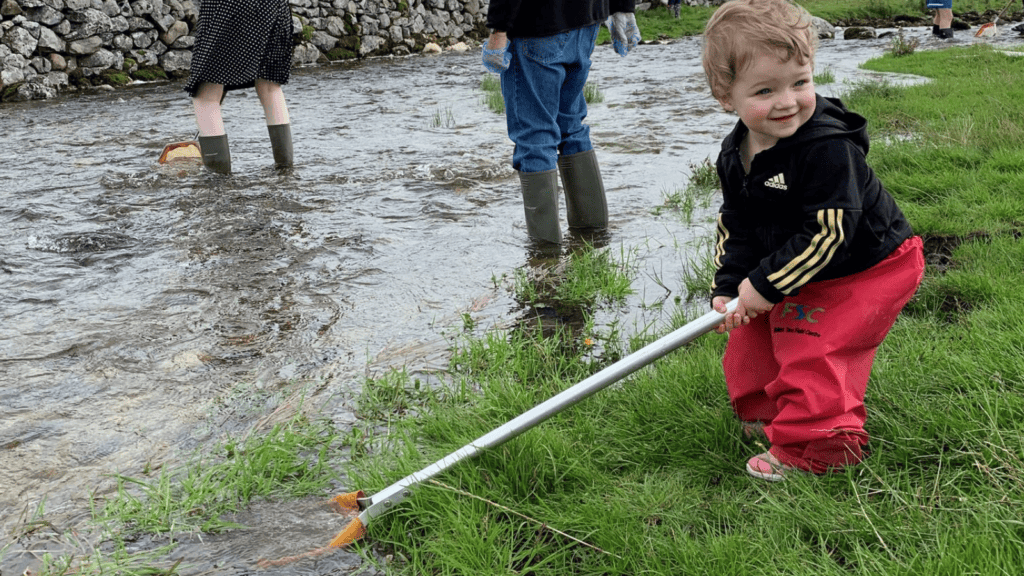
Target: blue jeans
<point>543,92</point>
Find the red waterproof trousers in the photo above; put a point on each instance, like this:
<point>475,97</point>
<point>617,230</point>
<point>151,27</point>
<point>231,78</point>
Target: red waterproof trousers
<point>803,368</point>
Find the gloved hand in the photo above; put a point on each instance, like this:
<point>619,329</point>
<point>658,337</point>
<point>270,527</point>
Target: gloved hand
<point>497,59</point>
<point>625,34</point>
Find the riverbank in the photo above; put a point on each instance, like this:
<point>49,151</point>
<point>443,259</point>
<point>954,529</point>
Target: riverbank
<point>49,47</point>
<point>52,47</point>
<point>648,478</point>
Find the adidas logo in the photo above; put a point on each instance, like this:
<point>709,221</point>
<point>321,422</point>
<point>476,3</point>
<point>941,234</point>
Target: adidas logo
<point>777,181</point>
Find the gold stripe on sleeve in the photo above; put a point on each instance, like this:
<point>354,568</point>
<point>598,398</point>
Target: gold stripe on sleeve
<point>817,255</point>
<point>723,234</point>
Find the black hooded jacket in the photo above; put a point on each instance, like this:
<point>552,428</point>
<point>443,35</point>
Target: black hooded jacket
<point>538,18</point>
<point>810,208</point>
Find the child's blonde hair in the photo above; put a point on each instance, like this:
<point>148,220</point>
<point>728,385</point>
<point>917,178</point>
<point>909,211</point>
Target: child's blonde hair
<point>742,29</point>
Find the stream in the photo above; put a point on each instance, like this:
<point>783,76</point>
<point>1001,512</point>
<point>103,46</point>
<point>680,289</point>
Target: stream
<point>150,310</point>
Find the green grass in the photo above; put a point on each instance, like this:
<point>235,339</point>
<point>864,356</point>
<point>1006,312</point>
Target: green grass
<point>956,143</point>
<point>646,477</point>
<point>585,276</point>
<point>826,76</point>
<point>288,461</point>
<point>658,24</point>
<point>900,45</point>
<point>832,10</point>
<point>491,87</point>
<point>443,118</point>
<point>699,192</point>
<point>592,94</point>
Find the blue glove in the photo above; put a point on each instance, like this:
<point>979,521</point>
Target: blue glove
<point>497,61</point>
<point>625,34</point>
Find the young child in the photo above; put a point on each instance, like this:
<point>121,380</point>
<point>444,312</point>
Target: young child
<point>819,255</point>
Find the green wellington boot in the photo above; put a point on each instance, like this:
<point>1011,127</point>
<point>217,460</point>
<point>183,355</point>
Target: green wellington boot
<point>216,156</point>
<point>281,143</point>
<point>585,203</point>
<point>540,200</point>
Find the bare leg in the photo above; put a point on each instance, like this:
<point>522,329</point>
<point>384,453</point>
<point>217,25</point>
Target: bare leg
<point>278,124</point>
<point>207,106</point>
<point>943,18</point>
<point>272,97</point>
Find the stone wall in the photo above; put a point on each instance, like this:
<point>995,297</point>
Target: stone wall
<point>48,46</point>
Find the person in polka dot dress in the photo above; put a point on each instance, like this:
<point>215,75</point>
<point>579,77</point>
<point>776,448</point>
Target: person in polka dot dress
<point>241,44</point>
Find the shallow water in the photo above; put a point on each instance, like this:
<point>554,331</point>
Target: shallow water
<point>149,310</point>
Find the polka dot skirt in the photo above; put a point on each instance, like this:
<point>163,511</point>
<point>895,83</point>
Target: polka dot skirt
<point>238,41</point>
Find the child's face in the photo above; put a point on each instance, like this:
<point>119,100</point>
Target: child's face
<point>773,98</point>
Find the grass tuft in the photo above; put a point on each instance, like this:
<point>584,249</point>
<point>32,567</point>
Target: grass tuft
<point>289,460</point>
<point>491,86</point>
<point>443,118</point>
<point>698,193</point>
<point>900,45</point>
<point>826,76</point>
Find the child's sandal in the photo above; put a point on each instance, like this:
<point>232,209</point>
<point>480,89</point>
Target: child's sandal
<point>767,467</point>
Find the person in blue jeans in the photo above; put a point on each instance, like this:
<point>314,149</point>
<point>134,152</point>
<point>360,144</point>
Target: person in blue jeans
<point>542,49</point>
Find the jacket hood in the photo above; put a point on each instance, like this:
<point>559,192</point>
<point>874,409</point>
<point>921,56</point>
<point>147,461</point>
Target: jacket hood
<point>830,119</point>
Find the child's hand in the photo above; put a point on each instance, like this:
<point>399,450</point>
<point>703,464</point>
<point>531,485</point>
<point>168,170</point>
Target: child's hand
<point>751,303</point>
<point>751,300</point>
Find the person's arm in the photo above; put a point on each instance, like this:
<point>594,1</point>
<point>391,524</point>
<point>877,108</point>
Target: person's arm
<point>501,14</point>
<point>830,183</point>
<point>496,57</point>
<point>734,253</point>
<point>497,40</point>
<point>621,6</point>
<point>622,26</point>
<point>750,305</point>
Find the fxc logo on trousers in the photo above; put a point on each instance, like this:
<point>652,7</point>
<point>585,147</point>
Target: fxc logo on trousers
<point>800,312</point>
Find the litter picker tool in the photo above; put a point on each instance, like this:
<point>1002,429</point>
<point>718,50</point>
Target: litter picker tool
<point>369,507</point>
<point>989,28</point>
<point>183,150</point>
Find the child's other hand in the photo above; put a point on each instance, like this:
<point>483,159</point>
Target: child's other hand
<point>731,321</point>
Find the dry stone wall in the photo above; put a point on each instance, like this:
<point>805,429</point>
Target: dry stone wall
<point>48,46</point>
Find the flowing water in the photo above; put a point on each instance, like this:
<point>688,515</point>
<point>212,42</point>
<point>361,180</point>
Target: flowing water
<point>148,310</point>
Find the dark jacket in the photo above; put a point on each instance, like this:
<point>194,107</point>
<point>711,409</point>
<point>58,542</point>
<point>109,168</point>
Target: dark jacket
<point>810,208</point>
<point>536,18</point>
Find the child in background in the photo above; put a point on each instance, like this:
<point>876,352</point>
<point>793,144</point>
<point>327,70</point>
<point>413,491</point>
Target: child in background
<point>675,7</point>
<point>817,251</point>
